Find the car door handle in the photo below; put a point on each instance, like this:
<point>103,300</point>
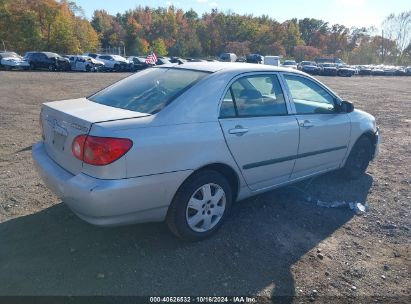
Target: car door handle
<point>238,130</point>
<point>306,124</point>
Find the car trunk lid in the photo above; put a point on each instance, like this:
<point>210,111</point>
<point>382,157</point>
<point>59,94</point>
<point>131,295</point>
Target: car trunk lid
<point>64,120</point>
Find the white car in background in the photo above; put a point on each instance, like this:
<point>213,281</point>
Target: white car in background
<point>11,60</point>
<point>85,63</point>
<point>291,64</point>
<point>114,62</point>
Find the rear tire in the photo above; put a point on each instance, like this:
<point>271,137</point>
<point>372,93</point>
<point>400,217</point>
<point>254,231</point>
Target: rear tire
<point>200,206</point>
<point>359,158</point>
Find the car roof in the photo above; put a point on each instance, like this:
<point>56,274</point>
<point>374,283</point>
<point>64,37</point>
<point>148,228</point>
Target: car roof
<point>239,67</point>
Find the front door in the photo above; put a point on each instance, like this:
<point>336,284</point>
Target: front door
<point>324,131</point>
<point>260,134</point>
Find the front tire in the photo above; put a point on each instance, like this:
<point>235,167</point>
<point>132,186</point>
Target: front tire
<point>200,206</point>
<point>51,68</point>
<point>359,158</point>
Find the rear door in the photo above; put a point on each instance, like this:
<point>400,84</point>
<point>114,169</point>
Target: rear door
<point>324,131</point>
<point>260,134</point>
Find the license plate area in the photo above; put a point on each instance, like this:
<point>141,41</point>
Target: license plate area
<point>58,141</point>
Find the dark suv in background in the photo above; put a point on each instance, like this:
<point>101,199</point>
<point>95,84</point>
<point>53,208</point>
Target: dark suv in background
<point>47,60</point>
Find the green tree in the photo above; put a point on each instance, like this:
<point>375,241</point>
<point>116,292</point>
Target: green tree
<point>293,36</point>
<point>309,26</point>
<point>159,47</point>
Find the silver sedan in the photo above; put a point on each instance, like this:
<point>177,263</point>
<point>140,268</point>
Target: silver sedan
<point>181,143</point>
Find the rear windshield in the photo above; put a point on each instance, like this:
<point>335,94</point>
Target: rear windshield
<point>148,91</point>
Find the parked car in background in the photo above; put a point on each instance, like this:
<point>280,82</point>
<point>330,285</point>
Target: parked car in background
<point>47,60</point>
<point>309,67</point>
<point>377,70</point>
<point>400,71</point>
<point>328,69</point>
<point>241,59</point>
<point>178,60</point>
<point>255,58</point>
<point>162,60</point>
<point>85,63</point>
<point>182,143</point>
<point>11,60</point>
<point>345,71</point>
<point>92,55</point>
<point>291,64</point>
<point>114,62</point>
<point>228,57</point>
<point>364,70</point>
<point>319,60</point>
<point>138,63</point>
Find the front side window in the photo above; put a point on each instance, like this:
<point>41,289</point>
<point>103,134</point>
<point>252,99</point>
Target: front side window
<point>255,96</point>
<point>309,97</point>
<point>148,91</point>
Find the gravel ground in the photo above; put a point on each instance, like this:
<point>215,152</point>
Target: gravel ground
<point>275,244</point>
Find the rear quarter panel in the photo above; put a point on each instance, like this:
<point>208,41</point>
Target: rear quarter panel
<point>169,148</point>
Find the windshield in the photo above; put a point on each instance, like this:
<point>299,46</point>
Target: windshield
<point>52,55</point>
<point>148,91</point>
<point>289,63</point>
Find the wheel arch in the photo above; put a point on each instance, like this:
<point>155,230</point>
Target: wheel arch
<point>368,134</point>
<point>227,171</point>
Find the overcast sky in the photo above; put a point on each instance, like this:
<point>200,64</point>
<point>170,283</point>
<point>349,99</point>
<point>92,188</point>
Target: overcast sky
<point>348,12</point>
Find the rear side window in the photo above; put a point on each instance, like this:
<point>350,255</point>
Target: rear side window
<point>148,91</point>
<point>250,96</point>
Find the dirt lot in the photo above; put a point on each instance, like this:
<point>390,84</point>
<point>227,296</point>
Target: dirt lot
<point>274,244</point>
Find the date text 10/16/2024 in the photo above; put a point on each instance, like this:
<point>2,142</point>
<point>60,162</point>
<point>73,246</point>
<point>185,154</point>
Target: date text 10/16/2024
<point>235,299</point>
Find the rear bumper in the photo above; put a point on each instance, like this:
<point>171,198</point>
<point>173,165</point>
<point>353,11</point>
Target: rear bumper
<point>110,202</point>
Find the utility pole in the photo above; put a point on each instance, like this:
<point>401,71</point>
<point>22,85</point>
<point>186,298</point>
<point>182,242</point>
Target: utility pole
<point>4,46</point>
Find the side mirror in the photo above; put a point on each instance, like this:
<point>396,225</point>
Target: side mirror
<point>347,106</point>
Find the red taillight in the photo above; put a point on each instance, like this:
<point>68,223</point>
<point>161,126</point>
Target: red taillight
<point>99,151</point>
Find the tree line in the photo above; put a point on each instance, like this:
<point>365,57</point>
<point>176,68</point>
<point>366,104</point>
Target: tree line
<point>61,26</point>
